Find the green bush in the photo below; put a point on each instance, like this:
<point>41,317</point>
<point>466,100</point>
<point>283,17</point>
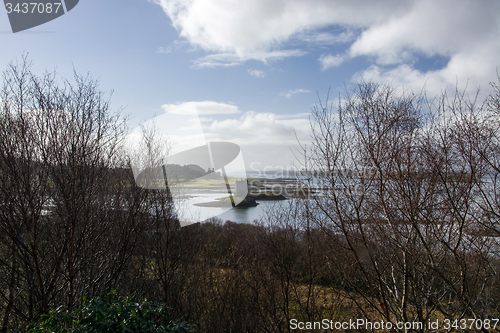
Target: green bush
<point>112,314</point>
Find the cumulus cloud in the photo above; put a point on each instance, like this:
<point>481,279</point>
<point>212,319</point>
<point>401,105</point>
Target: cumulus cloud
<point>288,94</point>
<point>259,126</point>
<point>430,27</point>
<point>329,61</point>
<point>257,29</point>
<point>465,33</point>
<point>200,108</point>
<point>267,139</point>
<point>393,34</point>
<point>256,73</point>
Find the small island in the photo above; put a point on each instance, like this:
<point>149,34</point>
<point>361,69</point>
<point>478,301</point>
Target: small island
<point>226,202</point>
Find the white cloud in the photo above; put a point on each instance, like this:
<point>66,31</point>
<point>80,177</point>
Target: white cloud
<point>231,59</point>
<point>288,94</point>
<point>466,33</point>
<point>259,126</point>
<point>431,27</point>
<point>329,61</point>
<point>200,108</point>
<point>162,49</point>
<point>256,73</point>
<point>265,138</point>
<point>175,46</point>
<point>393,34</point>
<point>257,29</point>
<point>205,119</point>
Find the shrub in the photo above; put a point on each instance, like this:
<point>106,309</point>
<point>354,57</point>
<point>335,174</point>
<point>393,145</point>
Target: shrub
<point>112,313</point>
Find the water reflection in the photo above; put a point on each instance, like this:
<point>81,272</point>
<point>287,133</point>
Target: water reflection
<point>249,214</point>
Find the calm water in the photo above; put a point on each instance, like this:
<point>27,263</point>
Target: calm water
<point>249,214</point>
<point>242,215</point>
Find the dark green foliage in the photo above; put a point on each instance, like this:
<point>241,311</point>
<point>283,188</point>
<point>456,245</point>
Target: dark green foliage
<point>112,313</point>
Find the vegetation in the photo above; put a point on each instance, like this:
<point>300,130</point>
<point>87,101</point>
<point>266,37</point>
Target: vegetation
<point>409,233</point>
<point>112,314</point>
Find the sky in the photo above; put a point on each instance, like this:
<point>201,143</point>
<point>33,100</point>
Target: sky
<point>252,70</point>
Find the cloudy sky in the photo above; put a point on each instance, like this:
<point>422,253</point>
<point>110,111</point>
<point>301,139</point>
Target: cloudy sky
<point>253,69</point>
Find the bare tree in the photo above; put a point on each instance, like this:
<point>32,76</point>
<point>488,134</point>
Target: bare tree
<point>399,185</point>
<point>65,224</point>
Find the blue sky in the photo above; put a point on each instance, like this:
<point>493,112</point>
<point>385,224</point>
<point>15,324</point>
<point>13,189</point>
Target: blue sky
<point>255,67</point>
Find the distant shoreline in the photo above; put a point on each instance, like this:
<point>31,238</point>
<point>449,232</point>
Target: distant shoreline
<point>249,201</point>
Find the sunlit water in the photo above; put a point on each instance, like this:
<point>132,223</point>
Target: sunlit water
<point>241,215</point>
<point>244,215</point>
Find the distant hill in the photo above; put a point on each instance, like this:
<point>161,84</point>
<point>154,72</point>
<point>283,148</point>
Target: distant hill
<point>190,171</point>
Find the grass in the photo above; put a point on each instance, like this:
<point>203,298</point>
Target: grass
<point>207,183</point>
